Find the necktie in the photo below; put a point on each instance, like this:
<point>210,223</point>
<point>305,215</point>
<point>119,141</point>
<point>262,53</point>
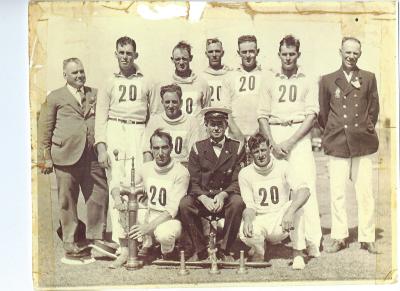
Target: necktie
<point>216,144</point>
<point>82,94</point>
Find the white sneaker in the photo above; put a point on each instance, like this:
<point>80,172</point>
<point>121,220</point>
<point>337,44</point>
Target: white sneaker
<point>298,263</point>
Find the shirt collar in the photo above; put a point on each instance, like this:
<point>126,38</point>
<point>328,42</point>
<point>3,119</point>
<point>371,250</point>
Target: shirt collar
<point>73,90</point>
<point>221,142</point>
<point>138,73</point>
<point>241,69</point>
<point>299,73</point>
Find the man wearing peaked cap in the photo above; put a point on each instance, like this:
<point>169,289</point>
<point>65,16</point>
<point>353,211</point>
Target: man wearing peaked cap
<point>214,164</point>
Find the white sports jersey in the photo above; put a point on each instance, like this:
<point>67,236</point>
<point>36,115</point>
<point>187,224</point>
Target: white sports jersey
<point>216,80</point>
<point>164,186</point>
<point>266,190</point>
<point>244,91</point>
<point>185,131</point>
<point>284,99</point>
<point>128,98</point>
<point>195,93</point>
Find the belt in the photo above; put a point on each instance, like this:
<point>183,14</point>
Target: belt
<point>286,123</point>
<point>126,121</point>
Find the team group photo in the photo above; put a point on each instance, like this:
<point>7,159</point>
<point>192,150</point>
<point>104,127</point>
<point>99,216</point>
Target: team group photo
<point>232,149</point>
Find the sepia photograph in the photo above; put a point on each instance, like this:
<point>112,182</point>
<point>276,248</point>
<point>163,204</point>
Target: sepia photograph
<point>213,144</point>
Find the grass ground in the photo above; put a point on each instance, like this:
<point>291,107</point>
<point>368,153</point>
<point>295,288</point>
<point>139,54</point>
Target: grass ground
<point>349,264</point>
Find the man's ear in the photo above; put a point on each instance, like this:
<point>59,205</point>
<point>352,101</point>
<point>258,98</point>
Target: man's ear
<point>190,58</point>
<point>64,75</point>
<point>135,55</point>
<point>258,51</point>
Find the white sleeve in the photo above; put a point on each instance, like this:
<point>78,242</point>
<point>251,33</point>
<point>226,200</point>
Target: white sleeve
<point>264,104</point>
<point>246,191</point>
<point>179,189</point>
<point>102,108</point>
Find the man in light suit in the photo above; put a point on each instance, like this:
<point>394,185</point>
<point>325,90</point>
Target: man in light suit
<point>214,165</point>
<point>349,107</point>
<point>67,145</point>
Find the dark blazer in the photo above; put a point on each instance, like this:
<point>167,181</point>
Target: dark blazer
<point>67,128</point>
<point>209,174</point>
<point>348,113</point>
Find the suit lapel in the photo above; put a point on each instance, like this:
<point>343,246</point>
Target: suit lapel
<point>72,101</point>
<point>226,153</point>
<point>88,97</point>
<point>209,153</point>
<point>342,83</point>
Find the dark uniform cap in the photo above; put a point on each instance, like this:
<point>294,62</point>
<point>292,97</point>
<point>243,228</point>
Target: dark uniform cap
<point>216,113</point>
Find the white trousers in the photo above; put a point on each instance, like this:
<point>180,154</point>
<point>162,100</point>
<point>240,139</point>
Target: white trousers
<point>302,166</point>
<point>268,227</point>
<point>128,140</point>
<point>165,233</point>
<point>359,170</point>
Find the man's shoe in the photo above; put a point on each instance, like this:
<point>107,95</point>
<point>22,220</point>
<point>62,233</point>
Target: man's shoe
<point>313,250</point>
<point>106,248</point>
<point>298,263</point>
<point>225,256</point>
<point>369,246</point>
<point>200,256</point>
<point>337,245</point>
<point>171,256</point>
<point>72,249</point>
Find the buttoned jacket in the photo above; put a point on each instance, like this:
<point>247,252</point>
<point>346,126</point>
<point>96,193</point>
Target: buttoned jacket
<point>67,127</point>
<point>210,174</point>
<point>349,113</point>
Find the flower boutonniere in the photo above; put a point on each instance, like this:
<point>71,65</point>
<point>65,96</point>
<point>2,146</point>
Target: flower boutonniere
<point>92,104</point>
<point>356,83</point>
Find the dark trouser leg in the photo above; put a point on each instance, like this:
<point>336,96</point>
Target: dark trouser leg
<point>233,208</point>
<point>190,211</point>
<point>95,191</point>
<point>68,191</point>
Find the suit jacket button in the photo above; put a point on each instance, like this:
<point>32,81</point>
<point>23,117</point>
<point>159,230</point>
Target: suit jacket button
<point>344,106</point>
<point>345,126</point>
<point>356,125</point>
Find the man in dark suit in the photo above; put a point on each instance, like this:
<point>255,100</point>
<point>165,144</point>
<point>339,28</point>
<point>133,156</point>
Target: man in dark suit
<point>349,107</point>
<point>67,145</point>
<point>214,164</point>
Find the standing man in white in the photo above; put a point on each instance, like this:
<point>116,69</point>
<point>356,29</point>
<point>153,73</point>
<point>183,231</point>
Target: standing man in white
<point>349,104</point>
<point>286,114</point>
<point>216,72</point>
<point>123,105</point>
<point>195,91</point>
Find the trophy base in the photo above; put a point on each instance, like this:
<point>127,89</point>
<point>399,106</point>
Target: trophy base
<point>133,264</point>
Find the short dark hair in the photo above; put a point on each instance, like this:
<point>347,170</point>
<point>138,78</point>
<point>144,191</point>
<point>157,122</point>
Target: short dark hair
<point>183,45</point>
<point>161,134</point>
<point>71,60</point>
<point>212,40</point>
<point>171,88</point>
<point>346,38</point>
<point>255,141</point>
<point>290,40</point>
<point>124,41</point>
<point>247,37</point>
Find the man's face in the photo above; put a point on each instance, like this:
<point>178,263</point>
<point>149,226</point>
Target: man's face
<point>161,151</point>
<point>74,74</point>
<point>181,59</point>
<point>216,128</point>
<point>125,56</point>
<point>248,52</point>
<point>350,52</point>
<point>261,155</point>
<point>288,56</point>
<point>214,54</point>
<point>172,104</point>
